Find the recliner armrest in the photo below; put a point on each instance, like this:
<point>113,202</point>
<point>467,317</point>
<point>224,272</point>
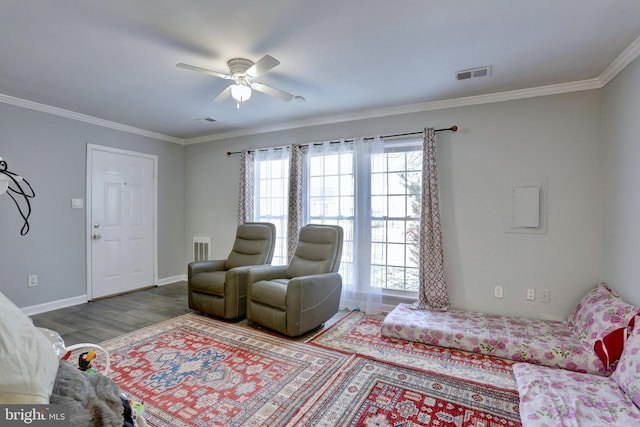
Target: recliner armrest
<point>313,289</point>
<point>266,272</point>
<point>239,274</point>
<point>206,266</point>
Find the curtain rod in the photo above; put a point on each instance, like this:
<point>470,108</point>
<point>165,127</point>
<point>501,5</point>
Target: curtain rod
<point>453,128</point>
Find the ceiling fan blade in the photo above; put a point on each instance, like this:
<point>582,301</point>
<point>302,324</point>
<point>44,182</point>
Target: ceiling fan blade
<point>272,91</point>
<point>223,95</point>
<point>203,70</point>
<point>263,65</point>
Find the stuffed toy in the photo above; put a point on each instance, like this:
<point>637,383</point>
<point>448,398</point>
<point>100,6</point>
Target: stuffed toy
<point>133,411</point>
<point>84,362</point>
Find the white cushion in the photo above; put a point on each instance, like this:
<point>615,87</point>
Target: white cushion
<point>28,362</point>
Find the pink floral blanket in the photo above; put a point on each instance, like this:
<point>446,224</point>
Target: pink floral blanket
<point>551,397</point>
<point>525,340</point>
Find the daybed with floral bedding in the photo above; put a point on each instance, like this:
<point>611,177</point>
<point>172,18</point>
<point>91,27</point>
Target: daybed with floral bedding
<point>598,339</point>
<point>559,398</point>
<point>590,341</point>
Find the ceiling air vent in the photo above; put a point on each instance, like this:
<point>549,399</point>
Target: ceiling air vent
<point>473,73</point>
<point>206,120</point>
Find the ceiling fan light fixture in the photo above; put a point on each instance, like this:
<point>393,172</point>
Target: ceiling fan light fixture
<point>240,92</point>
<point>243,72</point>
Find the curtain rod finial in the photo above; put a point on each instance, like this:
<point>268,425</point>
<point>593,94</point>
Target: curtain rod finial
<point>454,128</point>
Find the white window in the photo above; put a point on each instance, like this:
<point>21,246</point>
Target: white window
<point>376,202</point>
<point>330,198</point>
<point>396,179</point>
<point>271,192</point>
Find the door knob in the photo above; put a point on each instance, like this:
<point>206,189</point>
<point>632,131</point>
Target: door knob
<point>96,236</point>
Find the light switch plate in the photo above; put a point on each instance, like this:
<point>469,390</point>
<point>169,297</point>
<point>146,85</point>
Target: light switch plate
<point>77,203</point>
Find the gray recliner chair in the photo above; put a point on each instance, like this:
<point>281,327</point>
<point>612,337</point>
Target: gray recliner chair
<point>296,298</point>
<point>219,287</point>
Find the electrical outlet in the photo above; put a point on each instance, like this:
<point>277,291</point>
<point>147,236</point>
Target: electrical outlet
<point>531,294</point>
<point>497,292</point>
<point>33,280</point>
<point>545,295</point>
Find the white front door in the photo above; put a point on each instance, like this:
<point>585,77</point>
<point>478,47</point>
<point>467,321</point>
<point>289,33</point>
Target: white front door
<point>121,221</point>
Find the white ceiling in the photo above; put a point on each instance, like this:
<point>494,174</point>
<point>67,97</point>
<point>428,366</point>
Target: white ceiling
<point>115,60</point>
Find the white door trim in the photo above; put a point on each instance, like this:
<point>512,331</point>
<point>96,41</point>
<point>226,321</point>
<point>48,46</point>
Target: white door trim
<point>91,148</point>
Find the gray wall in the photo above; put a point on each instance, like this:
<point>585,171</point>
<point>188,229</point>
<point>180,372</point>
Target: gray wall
<point>621,138</point>
<point>584,144</point>
<point>50,152</point>
<point>553,137</point>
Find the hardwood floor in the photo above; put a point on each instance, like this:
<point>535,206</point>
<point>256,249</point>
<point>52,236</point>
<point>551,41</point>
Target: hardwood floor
<point>110,317</point>
<point>107,318</point>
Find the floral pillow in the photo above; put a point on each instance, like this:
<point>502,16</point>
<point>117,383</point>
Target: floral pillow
<point>627,374</point>
<point>602,322</point>
<point>609,348</point>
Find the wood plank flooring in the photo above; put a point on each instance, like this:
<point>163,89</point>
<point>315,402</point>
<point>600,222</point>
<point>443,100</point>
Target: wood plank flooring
<point>107,318</point>
<point>110,317</point>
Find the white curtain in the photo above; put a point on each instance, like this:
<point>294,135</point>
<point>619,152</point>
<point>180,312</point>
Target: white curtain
<point>369,299</point>
<point>272,177</point>
<point>336,195</point>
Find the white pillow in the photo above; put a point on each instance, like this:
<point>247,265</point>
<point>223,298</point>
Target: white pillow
<point>28,362</point>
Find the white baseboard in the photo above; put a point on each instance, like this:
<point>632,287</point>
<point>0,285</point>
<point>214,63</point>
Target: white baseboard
<point>54,305</point>
<point>173,279</point>
<point>81,299</point>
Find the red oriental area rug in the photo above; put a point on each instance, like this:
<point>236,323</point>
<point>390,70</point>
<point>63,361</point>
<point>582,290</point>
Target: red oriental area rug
<point>370,393</point>
<point>357,333</point>
<point>197,371</point>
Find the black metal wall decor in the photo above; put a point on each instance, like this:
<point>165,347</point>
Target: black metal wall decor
<point>19,190</point>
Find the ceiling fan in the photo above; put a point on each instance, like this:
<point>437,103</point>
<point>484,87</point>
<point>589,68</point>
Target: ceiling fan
<point>243,72</point>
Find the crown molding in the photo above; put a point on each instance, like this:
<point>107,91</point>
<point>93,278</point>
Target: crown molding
<point>624,59</point>
<point>86,118</point>
<point>408,109</point>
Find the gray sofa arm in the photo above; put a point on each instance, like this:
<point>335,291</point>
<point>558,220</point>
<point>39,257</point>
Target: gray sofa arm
<point>205,266</point>
<point>237,277</point>
<point>266,272</point>
<point>318,297</point>
<point>313,290</point>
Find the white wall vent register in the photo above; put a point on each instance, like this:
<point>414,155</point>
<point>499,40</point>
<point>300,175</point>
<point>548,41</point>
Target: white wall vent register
<point>201,247</point>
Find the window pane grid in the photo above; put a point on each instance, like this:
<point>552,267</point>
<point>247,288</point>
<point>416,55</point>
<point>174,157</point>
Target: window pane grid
<point>396,187</point>
<point>331,201</point>
<point>271,198</point>
<point>393,219</point>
